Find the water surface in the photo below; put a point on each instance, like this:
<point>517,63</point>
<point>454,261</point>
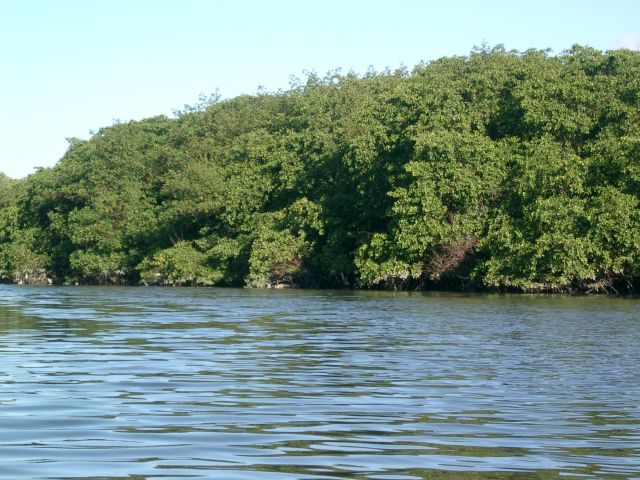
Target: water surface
<point>146,383</point>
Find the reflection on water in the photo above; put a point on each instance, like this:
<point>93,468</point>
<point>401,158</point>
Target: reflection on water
<point>241,384</point>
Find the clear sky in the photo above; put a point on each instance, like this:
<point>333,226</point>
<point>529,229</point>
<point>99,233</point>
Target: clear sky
<point>72,66</point>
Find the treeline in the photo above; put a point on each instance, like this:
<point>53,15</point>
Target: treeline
<point>500,169</point>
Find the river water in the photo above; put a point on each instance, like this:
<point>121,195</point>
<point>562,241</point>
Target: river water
<point>145,383</point>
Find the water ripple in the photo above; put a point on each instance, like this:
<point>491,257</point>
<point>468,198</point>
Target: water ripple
<point>240,384</point>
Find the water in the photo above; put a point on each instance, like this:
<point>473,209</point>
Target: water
<point>241,384</point>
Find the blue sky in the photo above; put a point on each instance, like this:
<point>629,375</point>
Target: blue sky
<point>72,66</point>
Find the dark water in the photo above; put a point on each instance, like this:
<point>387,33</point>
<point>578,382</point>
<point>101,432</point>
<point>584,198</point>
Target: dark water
<point>244,384</point>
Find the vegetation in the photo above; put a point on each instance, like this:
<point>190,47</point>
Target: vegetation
<point>500,169</point>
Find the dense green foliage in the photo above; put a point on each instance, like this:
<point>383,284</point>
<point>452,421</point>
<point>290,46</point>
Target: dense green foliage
<point>495,170</point>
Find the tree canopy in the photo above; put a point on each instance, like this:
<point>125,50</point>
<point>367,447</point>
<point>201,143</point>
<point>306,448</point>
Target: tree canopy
<point>495,170</point>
